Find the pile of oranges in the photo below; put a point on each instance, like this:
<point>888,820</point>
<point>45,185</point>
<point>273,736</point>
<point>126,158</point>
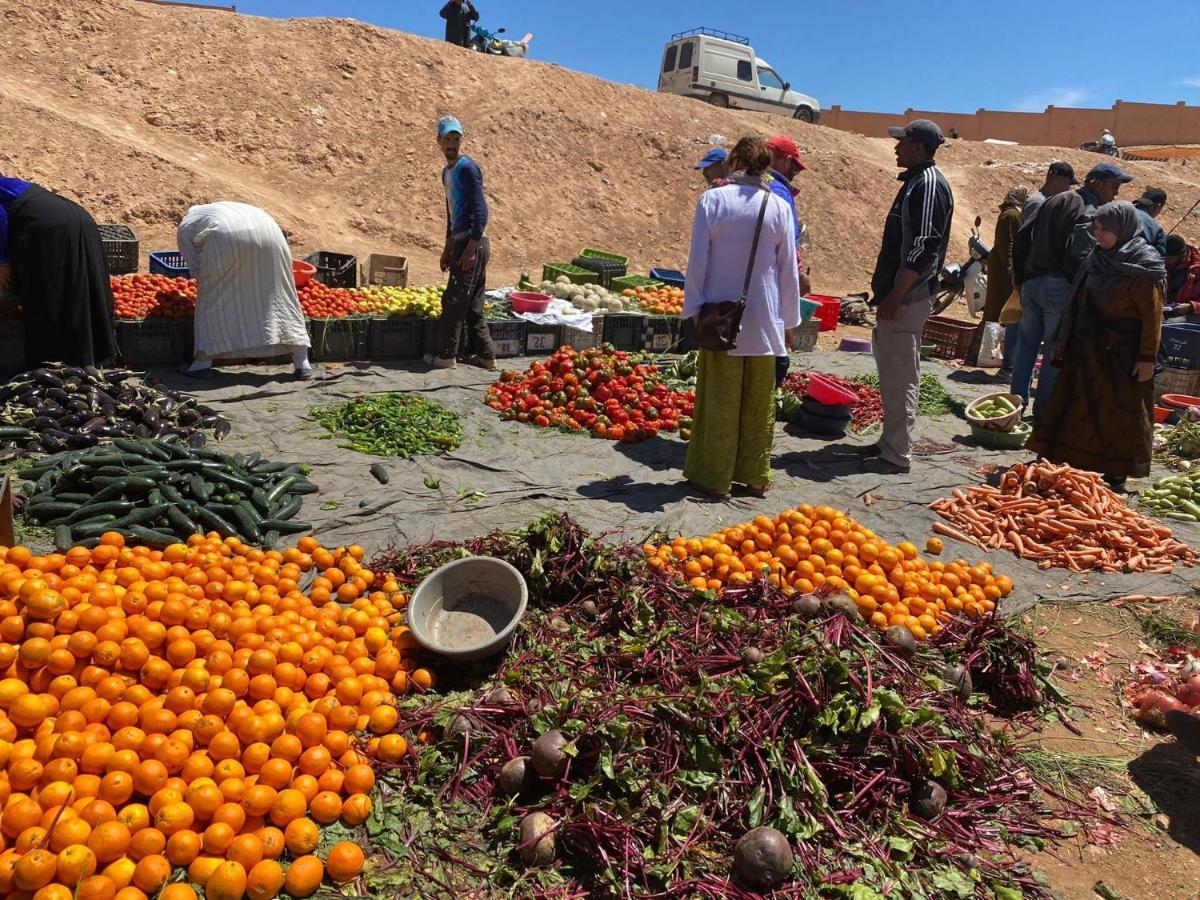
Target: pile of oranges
<point>805,548</point>
<point>659,301</point>
<point>191,708</point>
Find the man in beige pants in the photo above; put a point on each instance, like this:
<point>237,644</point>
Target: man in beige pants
<point>915,238</point>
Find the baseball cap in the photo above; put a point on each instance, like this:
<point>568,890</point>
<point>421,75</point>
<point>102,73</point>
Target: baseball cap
<point>1106,170</point>
<point>712,157</point>
<point>1064,169</point>
<point>449,125</point>
<point>1153,197</point>
<point>923,130</point>
<point>783,145</point>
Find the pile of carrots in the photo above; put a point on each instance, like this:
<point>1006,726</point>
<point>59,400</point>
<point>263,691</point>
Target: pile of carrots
<point>191,708</point>
<point>803,549</point>
<point>1063,517</point>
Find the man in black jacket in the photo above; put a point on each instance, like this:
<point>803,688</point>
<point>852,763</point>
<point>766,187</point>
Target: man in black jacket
<point>459,15</point>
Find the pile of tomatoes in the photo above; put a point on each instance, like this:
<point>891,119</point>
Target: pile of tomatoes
<point>321,302</point>
<point>191,714</point>
<point>603,391</point>
<point>144,296</point>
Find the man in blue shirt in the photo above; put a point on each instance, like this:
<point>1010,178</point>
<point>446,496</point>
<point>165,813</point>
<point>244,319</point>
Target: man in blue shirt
<point>1152,202</point>
<point>465,256</point>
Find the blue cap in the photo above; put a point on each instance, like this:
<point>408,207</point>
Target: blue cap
<point>712,157</point>
<point>449,125</point>
<point>1106,170</point>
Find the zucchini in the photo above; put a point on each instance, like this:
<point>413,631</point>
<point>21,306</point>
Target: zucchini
<point>303,486</point>
<point>281,487</point>
<point>288,510</point>
<point>86,513</point>
<point>268,468</point>
<point>1180,517</point>
<point>289,527</point>
<point>380,473</point>
<point>1190,507</point>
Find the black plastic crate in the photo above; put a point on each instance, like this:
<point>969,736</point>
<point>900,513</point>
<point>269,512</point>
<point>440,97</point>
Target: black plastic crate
<point>12,345</point>
<point>542,340</point>
<point>338,340</point>
<point>155,341</point>
<point>607,269</point>
<point>170,263</point>
<point>398,338</point>
<point>1180,347</point>
<point>338,270</point>
<point>662,334</point>
<point>625,332</point>
<point>120,248</point>
<point>508,338</point>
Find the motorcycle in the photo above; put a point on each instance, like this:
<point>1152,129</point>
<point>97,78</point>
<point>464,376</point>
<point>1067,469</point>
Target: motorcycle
<point>491,44</point>
<point>957,279</point>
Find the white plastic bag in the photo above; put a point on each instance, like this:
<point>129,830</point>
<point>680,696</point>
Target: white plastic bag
<point>991,355</point>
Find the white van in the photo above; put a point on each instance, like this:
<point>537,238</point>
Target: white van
<point>722,69</point>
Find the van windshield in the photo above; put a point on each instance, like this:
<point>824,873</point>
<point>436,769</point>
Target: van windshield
<point>768,78</point>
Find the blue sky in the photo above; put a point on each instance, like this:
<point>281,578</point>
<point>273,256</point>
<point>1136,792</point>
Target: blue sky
<point>1015,54</point>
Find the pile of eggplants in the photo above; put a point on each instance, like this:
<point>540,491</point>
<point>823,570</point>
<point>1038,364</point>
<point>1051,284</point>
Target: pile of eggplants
<point>59,408</point>
<point>160,492</point>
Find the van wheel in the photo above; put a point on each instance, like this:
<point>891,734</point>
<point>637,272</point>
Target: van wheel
<point>719,100</point>
<point>804,114</point>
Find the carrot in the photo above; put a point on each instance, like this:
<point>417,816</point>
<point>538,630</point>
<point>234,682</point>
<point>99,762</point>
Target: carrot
<point>953,533</point>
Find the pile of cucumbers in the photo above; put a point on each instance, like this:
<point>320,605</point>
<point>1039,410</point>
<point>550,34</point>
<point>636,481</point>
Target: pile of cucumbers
<point>1176,497</point>
<point>159,492</point>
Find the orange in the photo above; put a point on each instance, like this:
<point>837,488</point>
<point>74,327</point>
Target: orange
<point>177,891</point>
<point>109,841</point>
<point>34,870</point>
<point>302,836</point>
<point>345,862</point>
<point>183,847</point>
<point>151,873</point>
<point>265,880</point>
<point>304,876</point>
<point>356,809</point>
<point>227,882</point>
<point>74,864</point>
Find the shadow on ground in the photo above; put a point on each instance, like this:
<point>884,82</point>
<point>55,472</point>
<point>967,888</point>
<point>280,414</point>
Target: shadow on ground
<point>1170,776</point>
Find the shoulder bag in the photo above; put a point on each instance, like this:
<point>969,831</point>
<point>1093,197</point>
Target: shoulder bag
<point>718,324</point>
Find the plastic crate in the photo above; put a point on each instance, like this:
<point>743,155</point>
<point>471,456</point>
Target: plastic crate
<point>338,270</point>
<point>632,282</point>
<point>669,277</point>
<point>12,345</point>
<point>508,337</point>
<point>578,339</point>
<point>951,338</point>
<point>831,308</point>
<point>120,248</point>
<point>383,270</point>
<point>662,334</point>
<point>604,254</point>
<point>625,331</point>
<point>1176,381</point>
<point>170,263</point>
<point>575,274</point>
<point>1180,346</point>
<point>805,337</point>
<point>155,341</point>
<point>607,269</point>
<point>398,338</point>
<point>542,340</point>
<point>338,340</point>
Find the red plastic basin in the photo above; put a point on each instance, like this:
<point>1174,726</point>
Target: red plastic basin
<point>831,308</point>
<point>825,391</point>
<point>528,302</point>
<point>302,272</point>
<point>1161,413</point>
<point>1179,401</point>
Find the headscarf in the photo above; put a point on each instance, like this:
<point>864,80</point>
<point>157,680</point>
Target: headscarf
<point>1130,256</point>
<point>1015,198</point>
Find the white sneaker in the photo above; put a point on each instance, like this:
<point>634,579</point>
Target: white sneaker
<point>439,363</point>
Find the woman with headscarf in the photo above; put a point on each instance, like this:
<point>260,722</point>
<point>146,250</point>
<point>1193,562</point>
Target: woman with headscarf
<point>52,260</point>
<point>1000,276</point>
<point>743,244</point>
<point>1100,413</point>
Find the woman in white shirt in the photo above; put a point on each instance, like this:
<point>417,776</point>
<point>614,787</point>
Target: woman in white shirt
<point>735,390</point>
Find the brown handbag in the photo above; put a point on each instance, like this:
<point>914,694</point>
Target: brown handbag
<point>718,324</point>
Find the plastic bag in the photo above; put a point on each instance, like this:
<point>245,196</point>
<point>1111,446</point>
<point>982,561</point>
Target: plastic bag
<point>991,355</point>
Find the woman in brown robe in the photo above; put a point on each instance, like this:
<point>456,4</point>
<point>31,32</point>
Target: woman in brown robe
<point>1100,414</point>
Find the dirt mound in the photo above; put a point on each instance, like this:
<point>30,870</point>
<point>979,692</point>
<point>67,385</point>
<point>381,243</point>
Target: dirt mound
<point>139,111</point>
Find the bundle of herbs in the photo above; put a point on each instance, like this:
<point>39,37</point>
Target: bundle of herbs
<point>643,739</point>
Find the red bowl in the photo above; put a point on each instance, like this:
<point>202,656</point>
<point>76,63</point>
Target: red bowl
<point>528,302</point>
<point>302,272</point>
<point>1161,413</point>
<point>1179,401</point>
<point>825,391</point>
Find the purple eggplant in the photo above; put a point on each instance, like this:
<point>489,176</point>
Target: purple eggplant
<point>92,425</point>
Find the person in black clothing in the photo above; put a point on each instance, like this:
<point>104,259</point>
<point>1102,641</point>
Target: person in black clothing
<point>459,16</point>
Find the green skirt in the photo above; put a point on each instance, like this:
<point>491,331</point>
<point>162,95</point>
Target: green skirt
<point>734,421</point>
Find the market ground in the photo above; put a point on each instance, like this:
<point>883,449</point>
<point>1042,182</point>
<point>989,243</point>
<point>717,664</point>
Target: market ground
<point>505,473</point>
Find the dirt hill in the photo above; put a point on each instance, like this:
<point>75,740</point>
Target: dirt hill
<point>140,111</point>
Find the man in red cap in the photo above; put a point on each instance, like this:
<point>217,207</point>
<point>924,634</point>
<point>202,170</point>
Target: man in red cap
<point>786,164</point>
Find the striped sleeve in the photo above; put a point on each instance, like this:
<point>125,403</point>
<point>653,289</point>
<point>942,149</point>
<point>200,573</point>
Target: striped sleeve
<point>929,213</point>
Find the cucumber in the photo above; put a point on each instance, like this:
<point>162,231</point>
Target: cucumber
<point>232,481</point>
<point>181,523</point>
<point>201,489</point>
<point>282,487</point>
<point>1180,517</point>
<point>303,487</point>
<point>380,473</point>
<point>214,521</point>
<point>95,528</point>
<point>259,498</point>
<point>249,529</point>
<point>86,513</point>
<point>142,516</point>
<point>44,512</point>
<point>14,433</point>
<point>71,497</point>
<point>1190,507</point>
<point>289,527</point>
<point>63,537</point>
<point>157,540</point>
<point>170,494</point>
<point>128,483</point>
<point>288,510</point>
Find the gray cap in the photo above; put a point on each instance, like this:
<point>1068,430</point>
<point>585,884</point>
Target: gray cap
<point>923,130</point>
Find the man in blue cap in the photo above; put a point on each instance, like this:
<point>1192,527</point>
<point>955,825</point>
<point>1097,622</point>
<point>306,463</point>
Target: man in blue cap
<point>465,256</point>
<point>712,166</point>
<point>1059,239</point>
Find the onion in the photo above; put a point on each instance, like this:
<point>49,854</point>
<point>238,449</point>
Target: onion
<point>1189,693</point>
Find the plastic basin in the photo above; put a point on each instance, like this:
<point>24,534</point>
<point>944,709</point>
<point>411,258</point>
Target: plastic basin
<point>1161,414</point>
<point>825,391</point>
<point>528,302</point>
<point>302,272</point>
<point>855,345</point>
<point>826,426</point>
<point>1179,401</point>
<point>1002,440</point>
<point>468,609</point>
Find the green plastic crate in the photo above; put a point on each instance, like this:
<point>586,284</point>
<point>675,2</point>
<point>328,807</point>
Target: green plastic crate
<point>574,274</point>
<point>633,282</point>
<point>604,254</point>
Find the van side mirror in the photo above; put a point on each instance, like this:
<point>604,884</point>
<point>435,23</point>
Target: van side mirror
<point>787,85</point>
<point>501,30</point>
